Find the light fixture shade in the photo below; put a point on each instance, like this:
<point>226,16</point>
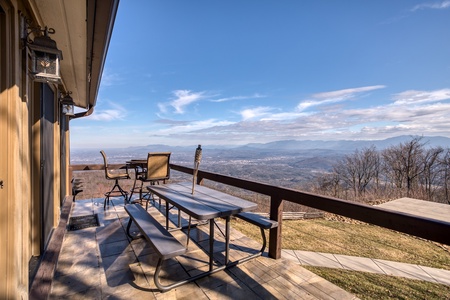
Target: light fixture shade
<point>67,105</point>
<point>68,109</point>
<point>45,59</point>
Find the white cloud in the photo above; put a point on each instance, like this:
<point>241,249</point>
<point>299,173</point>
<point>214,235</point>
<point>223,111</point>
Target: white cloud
<point>254,96</point>
<point>335,96</point>
<point>432,5</point>
<point>409,113</point>
<point>416,97</point>
<point>255,113</point>
<point>183,127</point>
<point>109,79</point>
<point>106,115</point>
<point>260,124</point>
<point>116,112</point>
<point>346,93</point>
<point>285,116</point>
<point>184,98</point>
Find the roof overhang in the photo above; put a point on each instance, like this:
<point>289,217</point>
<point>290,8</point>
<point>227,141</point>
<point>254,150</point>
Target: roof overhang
<point>83,31</point>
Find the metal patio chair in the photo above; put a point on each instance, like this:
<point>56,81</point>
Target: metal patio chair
<point>156,171</point>
<point>116,176</point>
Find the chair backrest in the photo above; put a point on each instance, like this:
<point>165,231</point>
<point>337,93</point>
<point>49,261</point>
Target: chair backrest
<point>158,166</point>
<point>105,161</point>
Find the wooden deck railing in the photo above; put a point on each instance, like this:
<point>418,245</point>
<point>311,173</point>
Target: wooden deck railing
<point>430,229</point>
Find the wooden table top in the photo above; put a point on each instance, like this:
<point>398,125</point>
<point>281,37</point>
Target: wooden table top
<point>205,204</point>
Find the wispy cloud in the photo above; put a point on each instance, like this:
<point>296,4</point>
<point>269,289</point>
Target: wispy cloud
<point>182,99</point>
<point>183,127</point>
<point>254,96</point>
<point>409,112</point>
<point>346,93</point>
<point>284,116</point>
<point>416,97</point>
<point>172,122</point>
<point>255,113</point>
<point>432,5</point>
<point>110,79</point>
<point>116,112</point>
<point>265,113</point>
<point>335,96</point>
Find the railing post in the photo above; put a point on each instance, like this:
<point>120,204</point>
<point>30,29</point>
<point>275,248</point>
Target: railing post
<point>276,214</point>
<point>70,173</point>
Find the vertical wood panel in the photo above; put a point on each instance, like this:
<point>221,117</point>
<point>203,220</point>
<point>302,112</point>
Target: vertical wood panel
<point>4,113</point>
<point>47,162</point>
<point>14,226</point>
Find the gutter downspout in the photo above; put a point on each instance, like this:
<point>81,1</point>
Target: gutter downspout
<point>84,113</point>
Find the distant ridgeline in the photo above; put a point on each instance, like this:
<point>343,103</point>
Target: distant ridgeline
<point>285,150</point>
<point>323,167</point>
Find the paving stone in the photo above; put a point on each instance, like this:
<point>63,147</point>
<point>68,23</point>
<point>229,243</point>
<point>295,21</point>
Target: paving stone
<point>441,276</point>
<point>318,259</point>
<point>76,282</point>
<point>114,248</point>
<point>94,293</point>
<point>403,270</point>
<point>118,262</point>
<point>361,264</point>
<point>103,263</point>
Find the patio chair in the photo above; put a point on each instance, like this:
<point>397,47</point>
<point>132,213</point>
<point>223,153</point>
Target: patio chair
<point>157,170</point>
<point>116,176</point>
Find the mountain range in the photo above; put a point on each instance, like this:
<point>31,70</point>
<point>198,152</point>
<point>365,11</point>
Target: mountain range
<point>290,148</point>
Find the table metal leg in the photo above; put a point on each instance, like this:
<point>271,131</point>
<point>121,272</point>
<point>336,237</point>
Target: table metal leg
<point>227,239</point>
<point>211,244</point>
<point>167,216</point>
<point>188,232</point>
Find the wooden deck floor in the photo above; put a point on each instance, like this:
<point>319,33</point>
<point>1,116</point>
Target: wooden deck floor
<point>102,263</point>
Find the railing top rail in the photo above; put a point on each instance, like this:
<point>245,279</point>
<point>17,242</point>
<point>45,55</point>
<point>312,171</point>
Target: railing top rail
<point>435,230</point>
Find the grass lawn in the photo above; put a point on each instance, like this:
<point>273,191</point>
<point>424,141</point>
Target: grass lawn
<point>364,240</point>
<point>376,286</point>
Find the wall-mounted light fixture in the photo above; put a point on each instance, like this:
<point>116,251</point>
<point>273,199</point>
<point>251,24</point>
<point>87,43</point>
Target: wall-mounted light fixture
<point>45,56</point>
<point>67,104</point>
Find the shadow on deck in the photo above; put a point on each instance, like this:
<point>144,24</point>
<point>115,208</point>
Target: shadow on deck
<point>101,262</point>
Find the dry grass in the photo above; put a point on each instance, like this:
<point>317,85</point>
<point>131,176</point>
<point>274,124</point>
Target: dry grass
<point>358,240</point>
<point>368,241</point>
<point>376,286</point>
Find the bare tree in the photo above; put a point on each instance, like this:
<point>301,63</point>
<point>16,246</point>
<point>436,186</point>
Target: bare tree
<point>358,170</point>
<point>329,184</point>
<point>404,163</point>
<point>432,169</point>
<point>445,164</point>
<point>408,169</point>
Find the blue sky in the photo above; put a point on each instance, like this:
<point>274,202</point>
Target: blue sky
<point>235,72</point>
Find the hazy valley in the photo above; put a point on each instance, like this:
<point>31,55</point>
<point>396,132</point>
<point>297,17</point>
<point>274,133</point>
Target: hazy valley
<point>286,163</point>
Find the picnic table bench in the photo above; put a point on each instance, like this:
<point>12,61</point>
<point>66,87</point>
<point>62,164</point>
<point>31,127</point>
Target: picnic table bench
<point>260,221</point>
<point>161,240</point>
<point>205,204</point>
